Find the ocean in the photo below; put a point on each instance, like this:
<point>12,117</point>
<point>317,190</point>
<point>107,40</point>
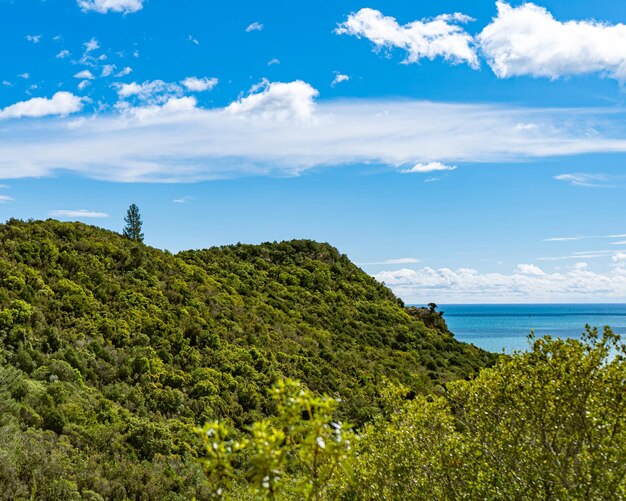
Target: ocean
<point>505,327</point>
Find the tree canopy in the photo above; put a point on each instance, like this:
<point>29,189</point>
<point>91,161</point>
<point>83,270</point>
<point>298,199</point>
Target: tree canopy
<point>114,352</point>
<point>133,226</point>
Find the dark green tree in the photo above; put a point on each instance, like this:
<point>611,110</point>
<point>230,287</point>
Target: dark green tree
<point>133,222</point>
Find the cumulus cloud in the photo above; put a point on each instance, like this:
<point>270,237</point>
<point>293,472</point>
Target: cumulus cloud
<point>63,54</point>
<point>530,269</point>
<point>427,38</point>
<point>77,214</point>
<point>526,283</point>
<point>256,26</point>
<point>62,103</point>
<point>421,168</point>
<point>528,40</point>
<point>195,84</point>
<point>105,6</point>
<point>33,38</point>
<point>620,257</point>
<point>84,75</point>
<point>277,100</point>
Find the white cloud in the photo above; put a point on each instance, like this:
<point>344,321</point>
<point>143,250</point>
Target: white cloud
<point>62,103</point>
<point>91,45</point>
<point>273,61</point>
<point>33,38</point>
<point>84,75</point>
<point>578,283</point>
<point>195,84</point>
<point>339,78</point>
<point>586,180</point>
<point>421,168</point>
<point>125,71</point>
<point>529,269</point>
<point>182,106</point>
<point>620,257</point>
<point>25,76</point>
<point>108,70</point>
<point>402,260</point>
<point>63,54</point>
<point>193,40</point>
<point>428,38</point>
<point>583,237</point>
<point>83,84</point>
<point>148,143</point>
<point>149,92</point>
<point>277,100</point>
<point>527,40</point>
<point>78,214</point>
<point>256,26</point>
<point>105,6</point>
<point>183,200</point>
<point>4,199</point>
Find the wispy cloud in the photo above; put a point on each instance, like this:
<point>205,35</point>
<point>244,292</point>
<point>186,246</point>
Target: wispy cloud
<point>33,38</point>
<point>256,26</point>
<point>6,199</point>
<point>583,237</point>
<point>586,180</point>
<point>183,200</point>
<point>78,214</point>
<point>280,129</point>
<point>339,78</point>
<point>402,260</point>
<point>421,168</point>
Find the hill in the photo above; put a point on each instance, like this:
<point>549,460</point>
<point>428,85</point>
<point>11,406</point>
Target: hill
<point>113,351</point>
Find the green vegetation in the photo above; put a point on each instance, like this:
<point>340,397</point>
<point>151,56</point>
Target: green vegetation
<point>115,355</point>
<point>133,226</point>
<point>113,352</point>
<point>548,424</point>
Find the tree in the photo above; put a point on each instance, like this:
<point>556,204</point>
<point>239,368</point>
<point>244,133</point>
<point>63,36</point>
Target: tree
<point>133,224</point>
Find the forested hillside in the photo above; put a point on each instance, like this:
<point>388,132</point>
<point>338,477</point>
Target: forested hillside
<point>112,352</point>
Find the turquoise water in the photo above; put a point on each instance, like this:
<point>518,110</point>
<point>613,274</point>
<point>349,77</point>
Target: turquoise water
<point>497,327</point>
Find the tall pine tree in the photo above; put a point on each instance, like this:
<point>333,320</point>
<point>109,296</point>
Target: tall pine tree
<point>133,224</point>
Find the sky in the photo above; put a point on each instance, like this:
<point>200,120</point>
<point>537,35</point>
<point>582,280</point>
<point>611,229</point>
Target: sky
<point>461,151</point>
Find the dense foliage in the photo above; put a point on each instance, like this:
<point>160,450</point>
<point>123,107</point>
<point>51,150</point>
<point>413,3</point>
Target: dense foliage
<point>547,424</point>
<point>112,352</point>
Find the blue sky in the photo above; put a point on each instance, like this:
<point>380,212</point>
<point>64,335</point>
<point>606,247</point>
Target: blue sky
<point>460,151</point>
